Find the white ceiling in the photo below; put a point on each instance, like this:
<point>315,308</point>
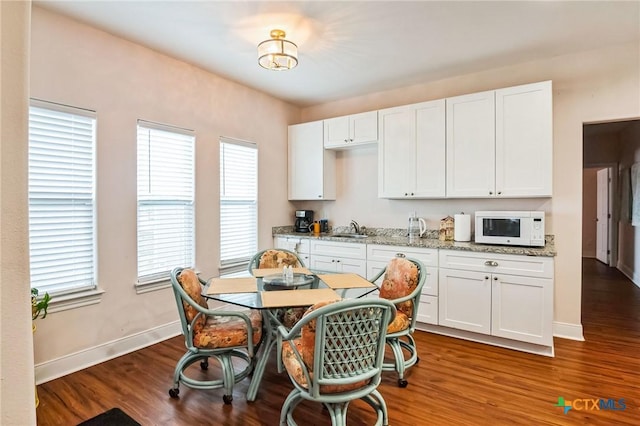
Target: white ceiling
<point>350,48</point>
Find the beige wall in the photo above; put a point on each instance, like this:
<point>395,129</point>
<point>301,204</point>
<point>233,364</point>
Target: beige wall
<point>587,87</point>
<point>77,65</point>
<point>17,402</point>
<point>629,236</point>
<point>589,211</point>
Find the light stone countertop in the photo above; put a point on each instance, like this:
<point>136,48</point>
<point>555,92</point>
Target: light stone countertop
<point>397,237</point>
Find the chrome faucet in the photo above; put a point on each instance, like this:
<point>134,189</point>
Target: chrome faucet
<point>355,226</point>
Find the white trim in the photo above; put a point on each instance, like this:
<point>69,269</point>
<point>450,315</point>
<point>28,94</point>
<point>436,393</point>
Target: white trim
<point>66,301</point>
<point>85,112</point>
<point>568,331</point>
<point>629,273</point>
<point>165,127</point>
<point>487,339</point>
<point>77,361</point>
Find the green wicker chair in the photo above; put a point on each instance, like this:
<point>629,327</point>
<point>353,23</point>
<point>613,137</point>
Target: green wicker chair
<point>402,285</point>
<point>337,358</point>
<point>221,335</point>
<point>274,258</point>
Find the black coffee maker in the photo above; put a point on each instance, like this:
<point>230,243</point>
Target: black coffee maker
<point>304,218</point>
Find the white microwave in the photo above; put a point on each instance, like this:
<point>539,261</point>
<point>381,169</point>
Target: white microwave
<point>514,228</point>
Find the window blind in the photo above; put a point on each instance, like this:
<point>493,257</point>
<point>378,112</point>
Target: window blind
<point>61,197</point>
<point>166,226</point>
<point>238,203</point>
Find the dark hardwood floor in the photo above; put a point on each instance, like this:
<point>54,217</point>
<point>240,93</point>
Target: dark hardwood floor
<point>456,382</point>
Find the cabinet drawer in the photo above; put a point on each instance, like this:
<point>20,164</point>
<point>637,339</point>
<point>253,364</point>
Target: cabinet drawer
<point>335,249</point>
<point>295,244</point>
<point>382,253</point>
<point>428,310</point>
<point>530,266</point>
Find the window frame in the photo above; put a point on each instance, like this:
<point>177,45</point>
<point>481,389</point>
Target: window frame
<point>238,264</point>
<point>69,297</point>
<point>160,279</point>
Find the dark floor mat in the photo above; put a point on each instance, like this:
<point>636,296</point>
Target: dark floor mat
<point>112,417</point>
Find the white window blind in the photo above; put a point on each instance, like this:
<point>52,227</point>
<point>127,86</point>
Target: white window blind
<point>61,197</point>
<point>238,204</point>
<point>166,226</point>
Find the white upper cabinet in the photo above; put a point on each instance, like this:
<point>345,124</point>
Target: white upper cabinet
<point>411,151</point>
<point>351,130</point>
<point>312,169</point>
<point>500,143</point>
<point>524,140</point>
<point>471,145</point>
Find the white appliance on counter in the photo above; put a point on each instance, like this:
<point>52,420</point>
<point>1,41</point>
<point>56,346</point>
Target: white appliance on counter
<point>514,228</point>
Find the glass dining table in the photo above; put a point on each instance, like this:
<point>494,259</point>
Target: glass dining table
<point>272,292</point>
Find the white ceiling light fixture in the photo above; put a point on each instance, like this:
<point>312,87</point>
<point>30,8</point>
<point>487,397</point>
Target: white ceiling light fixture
<point>277,53</point>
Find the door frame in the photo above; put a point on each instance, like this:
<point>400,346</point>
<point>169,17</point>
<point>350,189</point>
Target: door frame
<point>614,210</point>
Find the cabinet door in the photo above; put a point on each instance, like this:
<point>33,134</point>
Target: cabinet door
<point>428,309</point>
<point>323,263</point>
<point>311,167</point>
<point>471,145</point>
<point>524,140</point>
<point>373,268</point>
<point>336,132</point>
<point>522,308</point>
<point>363,128</point>
<point>396,153</point>
<point>464,301</point>
<point>352,266</point>
<point>430,159</point>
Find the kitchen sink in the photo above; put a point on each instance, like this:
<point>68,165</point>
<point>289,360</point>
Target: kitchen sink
<point>357,236</point>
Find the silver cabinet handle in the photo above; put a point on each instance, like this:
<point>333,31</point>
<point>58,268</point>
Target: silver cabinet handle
<point>400,255</point>
<point>491,263</point>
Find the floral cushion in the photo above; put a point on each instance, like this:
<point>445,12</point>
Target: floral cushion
<point>306,347</point>
<point>400,279</point>
<point>191,285</point>
<point>228,331</point>
<point>213,332</point>
<point>277,259</point>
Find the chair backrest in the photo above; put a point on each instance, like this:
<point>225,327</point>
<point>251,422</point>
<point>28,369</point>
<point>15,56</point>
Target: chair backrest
<point>187,289</point>
<point>348,344</point>
<point>402,284</point>
<point>274,258</point>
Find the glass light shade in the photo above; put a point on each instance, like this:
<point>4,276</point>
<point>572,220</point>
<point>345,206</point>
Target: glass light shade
<point>277,53</point>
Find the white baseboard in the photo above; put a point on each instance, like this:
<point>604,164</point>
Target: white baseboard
<point>568,331</point>
<point>629,273</point>
<point>71,363</point>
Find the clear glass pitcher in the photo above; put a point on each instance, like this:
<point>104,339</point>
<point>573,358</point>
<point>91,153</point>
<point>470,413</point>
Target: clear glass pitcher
<point>417,227</point>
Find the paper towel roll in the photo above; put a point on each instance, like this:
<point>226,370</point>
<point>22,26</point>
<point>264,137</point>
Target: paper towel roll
<point>462,227</point>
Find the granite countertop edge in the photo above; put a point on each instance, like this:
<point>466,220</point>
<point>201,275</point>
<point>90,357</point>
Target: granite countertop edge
<point>396,237</point>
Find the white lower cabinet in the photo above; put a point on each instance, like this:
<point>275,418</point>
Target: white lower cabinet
<point>465,300</point>
<point>331,256</point>
<point>487,297</point>
<point>501,295</point>
<point>378,257</point>
<point>298,245</point>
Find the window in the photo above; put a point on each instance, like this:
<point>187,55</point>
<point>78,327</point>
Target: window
<point>61,198</point>
<point>165,200</point>
<point>238,204</point>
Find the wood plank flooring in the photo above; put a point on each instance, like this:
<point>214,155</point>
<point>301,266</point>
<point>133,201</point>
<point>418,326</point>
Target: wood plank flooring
<point>456,382</point>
